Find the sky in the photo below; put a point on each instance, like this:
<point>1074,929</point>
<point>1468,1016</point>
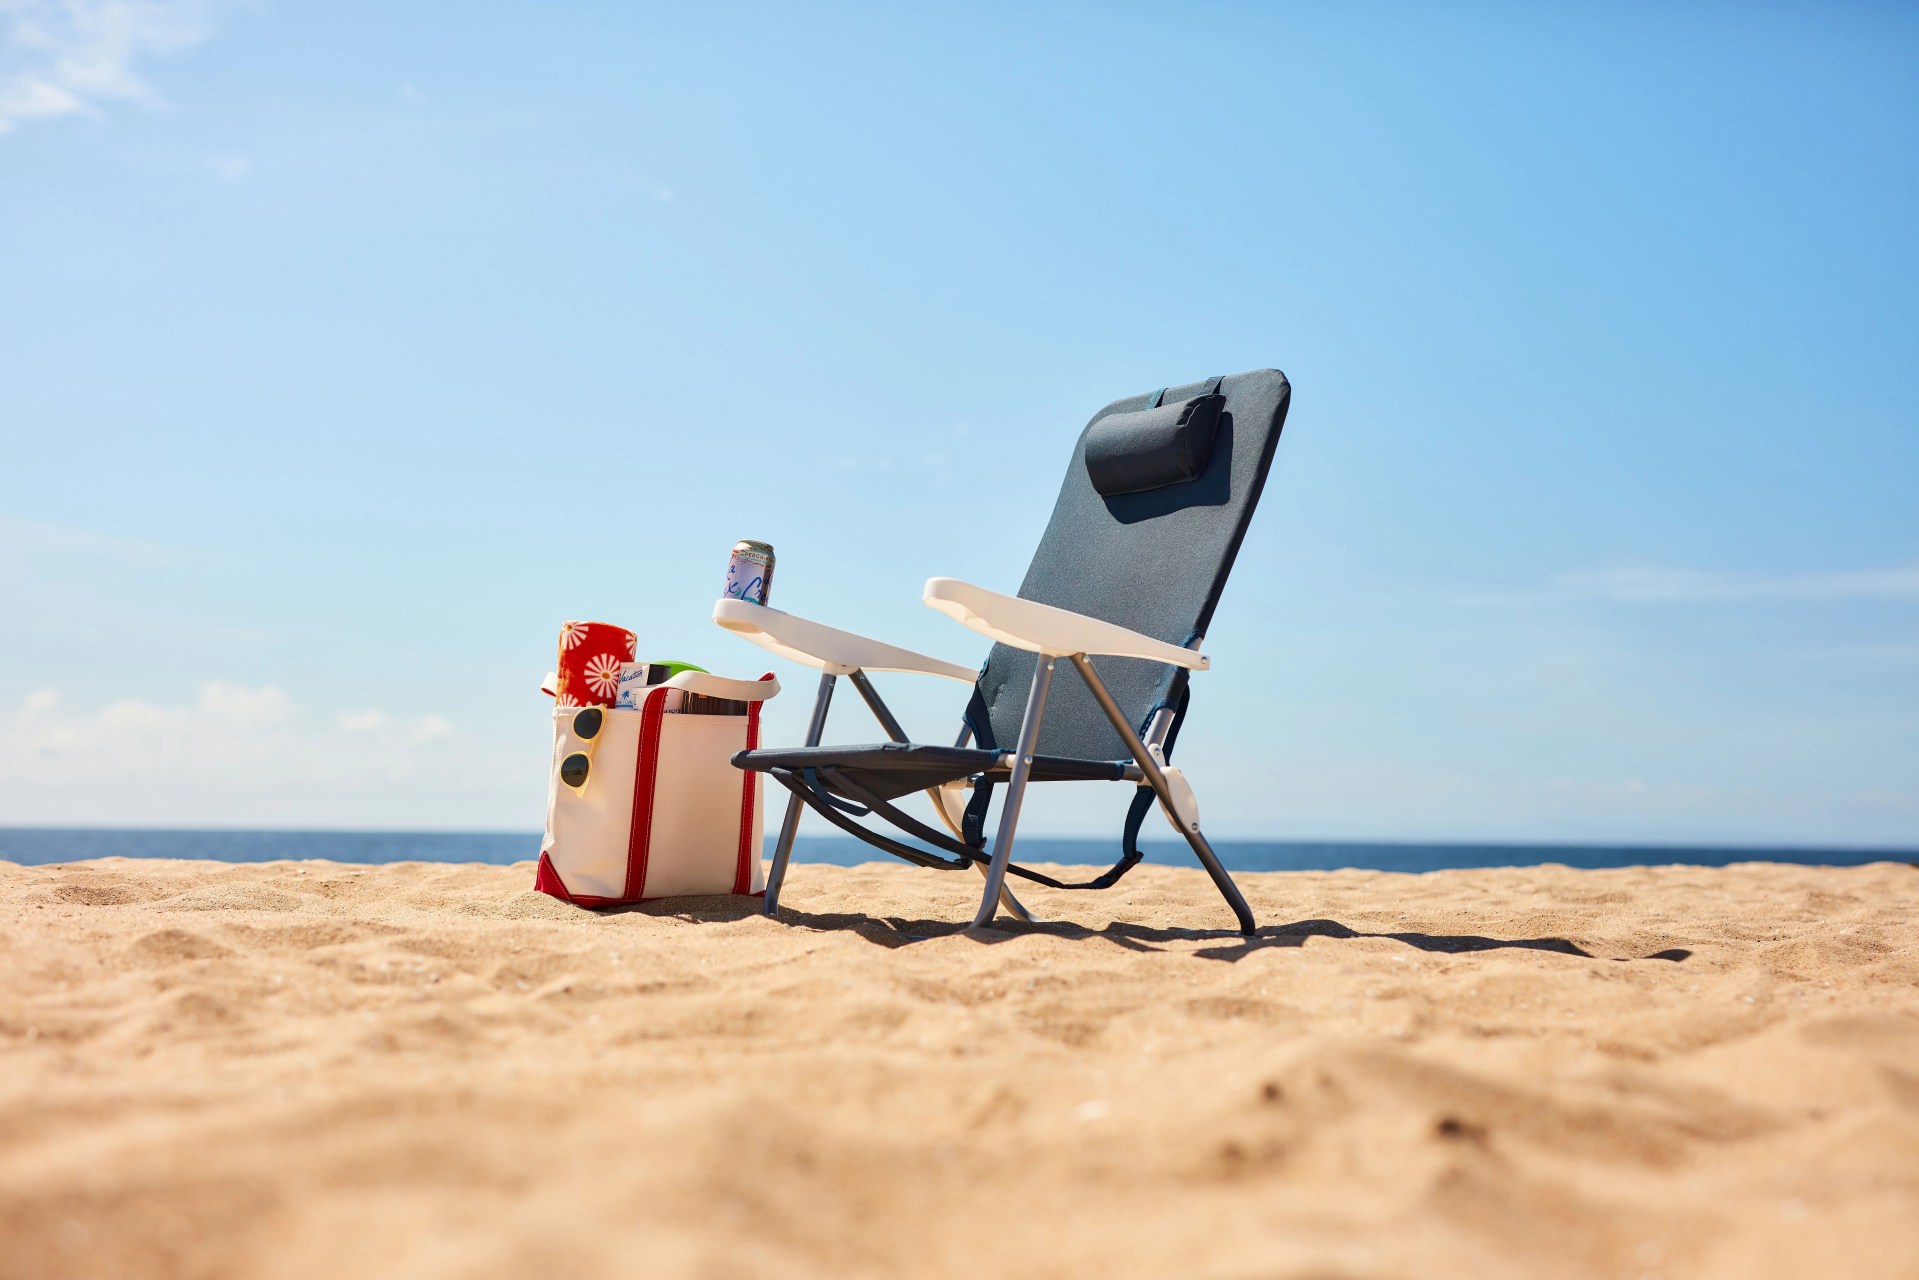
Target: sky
<point>346,350</point>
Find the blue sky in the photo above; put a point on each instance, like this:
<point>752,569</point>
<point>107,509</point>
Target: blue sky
<point>346,350</point>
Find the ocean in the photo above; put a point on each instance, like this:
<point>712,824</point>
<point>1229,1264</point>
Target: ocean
<point>39,846</point>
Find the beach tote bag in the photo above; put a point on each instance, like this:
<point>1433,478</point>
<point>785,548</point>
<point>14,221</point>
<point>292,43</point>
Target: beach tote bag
<point>646,803</point>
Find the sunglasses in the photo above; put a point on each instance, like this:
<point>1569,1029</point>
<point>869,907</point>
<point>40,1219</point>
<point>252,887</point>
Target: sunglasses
<point>586,727</point>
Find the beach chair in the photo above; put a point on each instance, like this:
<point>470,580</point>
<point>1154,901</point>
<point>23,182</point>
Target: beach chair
<point>1087,679</point>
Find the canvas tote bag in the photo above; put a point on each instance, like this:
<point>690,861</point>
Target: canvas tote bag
<point>662,812</point>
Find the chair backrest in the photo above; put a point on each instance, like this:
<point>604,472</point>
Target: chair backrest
<point>1153,559</point>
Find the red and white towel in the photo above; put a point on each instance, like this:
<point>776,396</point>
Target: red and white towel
<point>590,658</point>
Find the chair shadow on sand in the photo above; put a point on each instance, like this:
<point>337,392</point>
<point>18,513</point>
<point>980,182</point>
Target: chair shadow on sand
<point>898,931</point>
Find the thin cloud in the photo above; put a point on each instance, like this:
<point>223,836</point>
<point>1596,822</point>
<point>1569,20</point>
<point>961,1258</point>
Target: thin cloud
<point>228,734</point>
<point>237,754</point>
<point>1655,585</point>
<point>427,728</point>
<point>1894,657</point>
<point>74,57</point>
<point>32,539</point>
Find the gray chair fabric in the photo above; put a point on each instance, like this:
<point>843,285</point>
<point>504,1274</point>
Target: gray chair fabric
<point>1154,561</point>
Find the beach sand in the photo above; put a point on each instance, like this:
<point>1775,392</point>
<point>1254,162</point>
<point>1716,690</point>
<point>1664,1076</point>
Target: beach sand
<point>322,1070</point>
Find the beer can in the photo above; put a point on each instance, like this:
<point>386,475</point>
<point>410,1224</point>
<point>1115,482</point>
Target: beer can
<point>749,575</point>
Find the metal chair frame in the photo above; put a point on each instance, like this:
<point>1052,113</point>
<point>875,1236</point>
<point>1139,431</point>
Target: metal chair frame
<point>1144,769</point>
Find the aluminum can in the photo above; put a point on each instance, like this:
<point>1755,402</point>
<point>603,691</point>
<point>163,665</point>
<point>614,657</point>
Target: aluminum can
<point>749,575</point>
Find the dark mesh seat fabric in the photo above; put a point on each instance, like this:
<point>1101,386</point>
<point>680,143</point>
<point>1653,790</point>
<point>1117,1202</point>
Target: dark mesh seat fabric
<point>889,770</point>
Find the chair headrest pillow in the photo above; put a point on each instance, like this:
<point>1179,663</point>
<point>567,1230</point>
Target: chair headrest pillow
<point>1152,448</point>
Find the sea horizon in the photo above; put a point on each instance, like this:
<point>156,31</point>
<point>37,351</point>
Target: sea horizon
<point>50,845</point>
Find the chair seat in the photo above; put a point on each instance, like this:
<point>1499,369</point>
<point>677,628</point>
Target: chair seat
<point>889,770</point>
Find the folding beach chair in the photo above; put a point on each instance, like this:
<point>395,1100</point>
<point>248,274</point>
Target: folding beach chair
<point>1155,503</point>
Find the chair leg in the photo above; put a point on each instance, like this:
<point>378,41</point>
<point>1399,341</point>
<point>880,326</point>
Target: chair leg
<point>1157,780</point>
<point>790,824</point>
<point>1223,881</point>
<point>1015,792</point>
<point>882,713</point>
<point>1014,907</point>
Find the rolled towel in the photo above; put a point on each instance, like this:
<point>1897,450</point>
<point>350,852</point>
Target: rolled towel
<point>590,658</point>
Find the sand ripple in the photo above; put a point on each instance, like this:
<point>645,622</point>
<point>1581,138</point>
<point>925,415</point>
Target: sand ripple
<point>311,1069</point>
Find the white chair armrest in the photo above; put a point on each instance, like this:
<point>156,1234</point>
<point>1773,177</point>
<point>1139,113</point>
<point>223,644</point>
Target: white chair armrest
<point>827,648</point>
<point>1042,628</point>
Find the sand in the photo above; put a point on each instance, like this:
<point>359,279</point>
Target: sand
<point>313,1069</point>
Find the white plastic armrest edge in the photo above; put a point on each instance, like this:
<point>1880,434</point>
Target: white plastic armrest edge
<point>826,648</point>
<point>712,686</point>
<point>1043,628</point>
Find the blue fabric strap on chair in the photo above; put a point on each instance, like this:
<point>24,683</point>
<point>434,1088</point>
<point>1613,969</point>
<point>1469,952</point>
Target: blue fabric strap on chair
<point>813,784</point>
<point>1143,802</point>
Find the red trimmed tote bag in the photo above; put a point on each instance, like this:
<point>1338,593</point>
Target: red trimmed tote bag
<point>645,803</point>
